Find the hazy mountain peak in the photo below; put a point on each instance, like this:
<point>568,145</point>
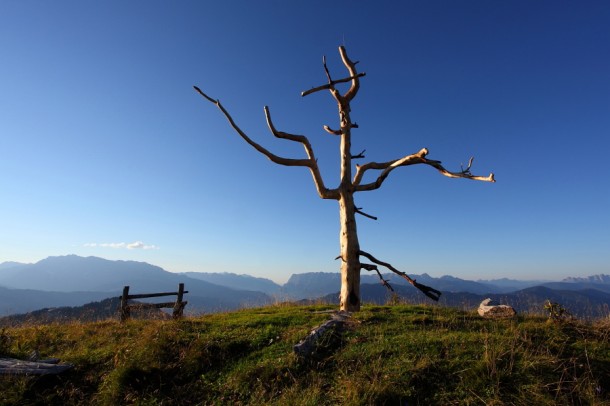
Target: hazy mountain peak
<point>75,273</point>
<point>601,278</point>
<point>10,264</point>
<point>237,281</point>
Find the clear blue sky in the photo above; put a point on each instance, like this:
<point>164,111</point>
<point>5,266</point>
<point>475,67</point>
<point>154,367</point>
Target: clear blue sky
<point>106,150</point>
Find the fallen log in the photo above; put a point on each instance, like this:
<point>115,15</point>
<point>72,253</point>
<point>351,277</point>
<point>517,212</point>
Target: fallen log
<point>309,344</point>
<point>12,366</point>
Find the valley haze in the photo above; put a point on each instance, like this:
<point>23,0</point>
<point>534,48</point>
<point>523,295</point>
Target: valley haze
<point>74,281</point>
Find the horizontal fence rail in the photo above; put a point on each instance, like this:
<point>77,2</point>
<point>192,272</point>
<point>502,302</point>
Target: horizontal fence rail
<point>178,305</point>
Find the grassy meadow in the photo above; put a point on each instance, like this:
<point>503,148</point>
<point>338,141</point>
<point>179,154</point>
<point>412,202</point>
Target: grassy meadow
<point>395,355</point>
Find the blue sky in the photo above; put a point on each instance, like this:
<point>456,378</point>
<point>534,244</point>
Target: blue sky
<point>106,150</point>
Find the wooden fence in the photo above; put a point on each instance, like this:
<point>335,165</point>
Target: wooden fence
<point>178,305</point>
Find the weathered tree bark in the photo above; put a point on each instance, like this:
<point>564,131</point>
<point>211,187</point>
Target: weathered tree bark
<point>310,343</point>
<point>348,237</point>
<point>350,259</point>
<point>350,248</point>
<point>12,366</point>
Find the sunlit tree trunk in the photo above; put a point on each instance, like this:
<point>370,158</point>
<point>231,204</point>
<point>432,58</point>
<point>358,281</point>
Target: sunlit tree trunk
<point>350,255</point>
<point>348,237</point>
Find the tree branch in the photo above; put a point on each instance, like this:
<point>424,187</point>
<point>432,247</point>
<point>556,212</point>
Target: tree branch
<point>413,159</point>
<point>331,131</point>
<point>330,80</point>
<point>426,290</point>
<point>313,162</point>
<point>331,85</point>
<point>371,267</point>
<point>309,163</point>
<point>357,210</point>
<point>360,155</point>
<point>351,67</point>
<point>287,136</point>
<point>277,159</point>
<point>354,78</point>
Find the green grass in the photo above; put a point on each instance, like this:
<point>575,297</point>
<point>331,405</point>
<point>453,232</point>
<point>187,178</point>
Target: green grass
<point>399,355</point>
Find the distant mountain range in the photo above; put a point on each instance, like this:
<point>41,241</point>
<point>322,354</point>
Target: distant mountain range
<point>14,301</point>
<point>240,282</point>
<point>9,264</point>
<point>603,279</point>
<point>74,281</point>
<point>586,304</point>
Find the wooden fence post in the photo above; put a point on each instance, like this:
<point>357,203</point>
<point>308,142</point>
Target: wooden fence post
<point>125,313</point>
<point>179,306</point>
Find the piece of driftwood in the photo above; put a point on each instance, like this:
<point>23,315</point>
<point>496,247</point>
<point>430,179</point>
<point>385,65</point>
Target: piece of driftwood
<point>486,309</point>
<point>309,344</point>
<point>12,366</point>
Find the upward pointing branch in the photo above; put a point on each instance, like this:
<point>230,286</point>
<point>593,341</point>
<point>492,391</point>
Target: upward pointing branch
<point>277,159</point>
<point>351,67</point>
<point>354,78</point>
<point>310,162</point>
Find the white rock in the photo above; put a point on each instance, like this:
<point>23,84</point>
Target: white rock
<point>495,311</point>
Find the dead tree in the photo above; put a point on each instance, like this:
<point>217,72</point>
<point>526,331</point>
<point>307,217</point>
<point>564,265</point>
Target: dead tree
<point>349,184</point>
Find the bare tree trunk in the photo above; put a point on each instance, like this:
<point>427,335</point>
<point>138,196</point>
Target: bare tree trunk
<point>350,247</point>
<point>350,255</point>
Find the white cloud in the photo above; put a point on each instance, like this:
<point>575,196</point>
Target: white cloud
<point>139,245</point>
<point>113,245</point>
<point>136,245</point>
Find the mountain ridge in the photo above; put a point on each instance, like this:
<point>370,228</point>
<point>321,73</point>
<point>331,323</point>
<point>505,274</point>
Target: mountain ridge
<point>58,278</point>
<point>599,278</point>
<point>586,304</point>
<point>73,280</point>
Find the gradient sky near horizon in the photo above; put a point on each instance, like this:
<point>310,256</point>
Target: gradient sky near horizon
<point>106,150</point>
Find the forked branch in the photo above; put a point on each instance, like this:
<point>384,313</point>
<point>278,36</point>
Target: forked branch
<point>413,159</point>
<point>354,78</point>
<point>426,290</point>
<point>310,162</point>
<point>331,85</point>
<point>292,137</point>
<point>384,282</point>
<point>351,67</point>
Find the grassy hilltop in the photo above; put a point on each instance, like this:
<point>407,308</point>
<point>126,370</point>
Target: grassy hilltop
<point>399,355</point>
